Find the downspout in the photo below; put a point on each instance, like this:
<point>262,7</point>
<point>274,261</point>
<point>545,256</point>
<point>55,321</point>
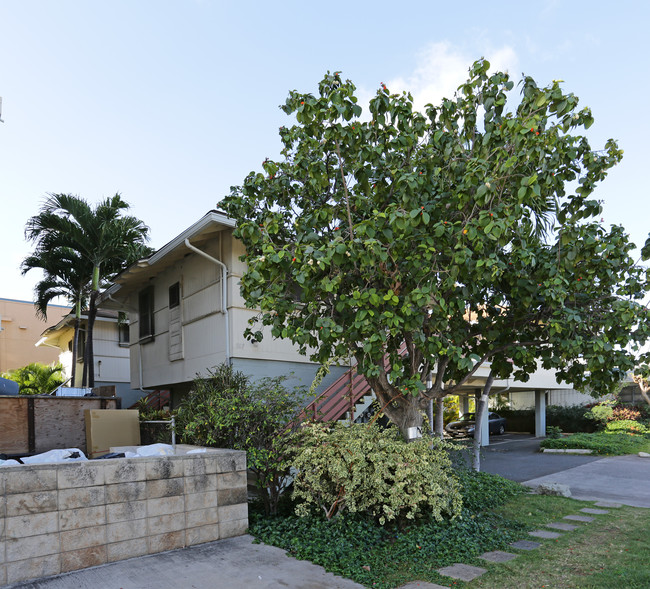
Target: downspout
<point>224,291</point>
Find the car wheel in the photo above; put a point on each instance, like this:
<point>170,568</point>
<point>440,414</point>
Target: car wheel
<point>502,430</point>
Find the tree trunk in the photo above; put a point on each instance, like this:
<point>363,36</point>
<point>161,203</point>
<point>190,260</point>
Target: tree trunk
<point>89,360</point>
<point>478,420</point>
<point>404,411</point>
<point>75,344</point>
<point>440,417</point>
<point>643,387</point>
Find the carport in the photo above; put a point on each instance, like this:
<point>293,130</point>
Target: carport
<point>541,383</point>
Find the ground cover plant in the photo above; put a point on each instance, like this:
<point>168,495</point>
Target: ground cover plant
<point>358,548</point>
<point>609,552</point>
<point>614,443</point>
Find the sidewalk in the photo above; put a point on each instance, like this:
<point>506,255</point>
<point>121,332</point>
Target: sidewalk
<point>235,563</point>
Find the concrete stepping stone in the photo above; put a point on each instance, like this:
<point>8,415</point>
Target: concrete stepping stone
<point>525,545</point>
<point>464,572</point>
<point>579,518</point>
<point>594,511</point>
<point>422,585</point>
<point>498,556</point>
<point>608,504</point>
<point>561,526</point>
<point>545,534</point>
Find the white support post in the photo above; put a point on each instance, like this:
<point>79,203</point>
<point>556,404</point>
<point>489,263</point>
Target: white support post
<point>464,404</point>
<point>485,426</point>
<point>540,414</point>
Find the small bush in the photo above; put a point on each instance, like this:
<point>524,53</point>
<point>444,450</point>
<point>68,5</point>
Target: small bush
<point>482,491</point>
<point>626,426</point>
<point>226,410</point>
<point>364,469</point>
<point>601,413</point>
<point>553,432</point>
<point>623,413</point>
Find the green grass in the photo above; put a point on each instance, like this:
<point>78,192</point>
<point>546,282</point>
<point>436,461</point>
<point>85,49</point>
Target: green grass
<point>609,552</point>
<point>615,443</point>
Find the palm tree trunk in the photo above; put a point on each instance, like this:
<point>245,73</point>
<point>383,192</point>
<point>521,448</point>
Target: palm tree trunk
<point>75,345</point>
<point>89,363</point>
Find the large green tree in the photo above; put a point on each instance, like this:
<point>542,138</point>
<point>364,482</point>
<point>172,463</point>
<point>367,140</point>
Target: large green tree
<point>444,240</point>
<point>99,240</point>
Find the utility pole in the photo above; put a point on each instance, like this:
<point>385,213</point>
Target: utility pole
<point>1,121</point>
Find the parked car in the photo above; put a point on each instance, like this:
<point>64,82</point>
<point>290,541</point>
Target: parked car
<point>466,424</point>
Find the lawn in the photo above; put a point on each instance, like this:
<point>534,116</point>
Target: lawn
<point>611,551</point>
<point>604,443</point>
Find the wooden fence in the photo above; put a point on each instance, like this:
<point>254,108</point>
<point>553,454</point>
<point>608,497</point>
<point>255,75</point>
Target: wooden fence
<point>35,424</point>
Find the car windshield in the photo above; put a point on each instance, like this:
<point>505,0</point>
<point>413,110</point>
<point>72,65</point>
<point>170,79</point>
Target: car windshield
<point>467,417</point>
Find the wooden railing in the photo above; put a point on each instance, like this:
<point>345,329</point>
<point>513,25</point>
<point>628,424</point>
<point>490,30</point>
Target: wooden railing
<point>341,396</point>
<point>338,399</point>
<point>154,400</point>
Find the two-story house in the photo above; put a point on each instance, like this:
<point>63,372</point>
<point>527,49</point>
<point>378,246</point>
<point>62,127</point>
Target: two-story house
<point>186,314</point>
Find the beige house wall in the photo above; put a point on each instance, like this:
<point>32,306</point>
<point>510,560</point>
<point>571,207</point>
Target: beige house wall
<point>203,322</point>
<point>21,329</point>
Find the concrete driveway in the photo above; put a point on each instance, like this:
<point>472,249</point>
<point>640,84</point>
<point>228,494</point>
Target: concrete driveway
<point>620,479</point>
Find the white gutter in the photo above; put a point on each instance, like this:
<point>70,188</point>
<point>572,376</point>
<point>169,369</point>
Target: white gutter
<point>224,291</point>
<point>200,225</point>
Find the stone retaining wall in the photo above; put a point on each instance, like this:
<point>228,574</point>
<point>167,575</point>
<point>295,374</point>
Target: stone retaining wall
<point>56,518</point>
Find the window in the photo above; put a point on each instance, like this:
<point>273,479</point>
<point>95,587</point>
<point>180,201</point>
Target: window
<point>174,295</point>
<point>145,312</point>
<point>123,334</point>
<point>81,345</point>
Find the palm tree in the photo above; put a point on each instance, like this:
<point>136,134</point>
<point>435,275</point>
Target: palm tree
<point>37,378</point>
<point>104,242</point>
<point>64,276</point>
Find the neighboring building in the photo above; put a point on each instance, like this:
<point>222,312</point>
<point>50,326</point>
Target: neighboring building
<point>186,314</point>
<point>20,330</point>
<point>110,351</point>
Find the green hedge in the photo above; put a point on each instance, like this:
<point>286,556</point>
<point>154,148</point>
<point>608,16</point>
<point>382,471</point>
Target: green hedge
<point>568,419</point>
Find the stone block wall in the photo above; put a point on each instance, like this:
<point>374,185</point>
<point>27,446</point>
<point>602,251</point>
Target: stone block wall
<point>56,518</point>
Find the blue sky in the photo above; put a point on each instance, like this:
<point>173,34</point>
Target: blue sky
<point>172,102</point>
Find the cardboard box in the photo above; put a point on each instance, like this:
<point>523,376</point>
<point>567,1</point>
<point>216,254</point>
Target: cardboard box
<point>111,427</point>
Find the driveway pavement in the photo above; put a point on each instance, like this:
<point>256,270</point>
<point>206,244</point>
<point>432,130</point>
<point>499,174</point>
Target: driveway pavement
<point>620,479</point>
<point>238,563</point>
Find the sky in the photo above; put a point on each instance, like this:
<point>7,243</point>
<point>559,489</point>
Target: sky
<point>172,102</point>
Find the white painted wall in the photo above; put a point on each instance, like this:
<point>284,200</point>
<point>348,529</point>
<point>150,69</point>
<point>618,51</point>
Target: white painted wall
<point>203,323</point>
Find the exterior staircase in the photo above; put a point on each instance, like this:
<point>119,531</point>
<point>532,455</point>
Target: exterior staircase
<point>154,400</point>
<point>349,397</point>
<point>339,400</point>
